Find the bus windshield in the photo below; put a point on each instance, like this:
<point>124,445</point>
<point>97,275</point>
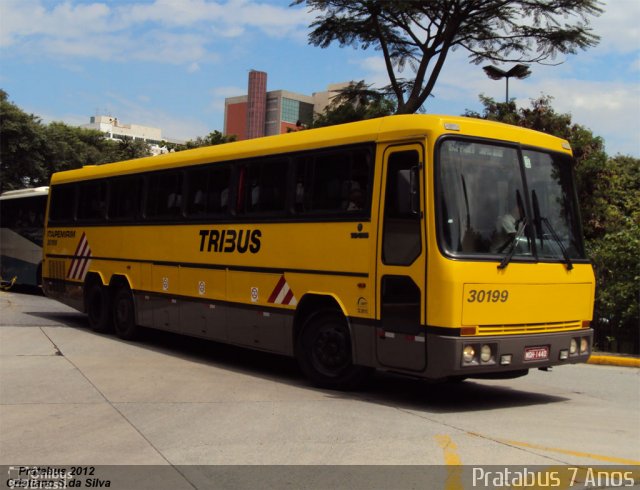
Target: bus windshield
<point>502,201</point>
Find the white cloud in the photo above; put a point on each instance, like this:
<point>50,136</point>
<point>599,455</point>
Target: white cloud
<point>131,111</point>
<point>609,108</point>
<point>618,26</point>
<point>170,31</point>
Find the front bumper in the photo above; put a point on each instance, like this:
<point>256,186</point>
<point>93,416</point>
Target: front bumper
<point>445,353</point>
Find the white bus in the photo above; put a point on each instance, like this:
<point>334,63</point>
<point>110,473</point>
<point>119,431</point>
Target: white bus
<point>21,226</point>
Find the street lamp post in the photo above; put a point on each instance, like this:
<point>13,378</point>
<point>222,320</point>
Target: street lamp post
<point>518,71</point>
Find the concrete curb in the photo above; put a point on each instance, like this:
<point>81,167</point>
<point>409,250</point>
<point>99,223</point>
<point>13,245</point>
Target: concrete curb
<point>612,360</point>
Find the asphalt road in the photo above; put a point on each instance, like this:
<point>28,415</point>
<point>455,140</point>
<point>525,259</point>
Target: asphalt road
<point>69,396</point>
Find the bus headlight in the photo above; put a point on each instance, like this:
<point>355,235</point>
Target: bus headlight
<point>468,354</point>
<point>584,345</point>
<point>573,348</point>
<point>485,353</point>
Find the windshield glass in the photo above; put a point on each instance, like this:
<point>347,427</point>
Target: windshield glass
<point>555,214</point>
<point>484,208</point>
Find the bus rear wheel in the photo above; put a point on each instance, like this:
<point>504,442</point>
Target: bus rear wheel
<point>124,315</point>
<point>324,352</point>
<point>98,307</point>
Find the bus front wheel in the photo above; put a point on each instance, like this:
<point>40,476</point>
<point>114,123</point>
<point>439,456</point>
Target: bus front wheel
<point>98,308</point>
<point>324,352</point>
<point>124,316</point>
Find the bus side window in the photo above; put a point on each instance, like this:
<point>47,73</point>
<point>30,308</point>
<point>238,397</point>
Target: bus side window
<point>208,190</point>
<point>92,201</point>
<point>401,241</point>
<point>303,169</point>
<point>63,202</point>
<point>124,198</point>
<point>262,187</point>
<point>164,195</point>
<point>334,183</point>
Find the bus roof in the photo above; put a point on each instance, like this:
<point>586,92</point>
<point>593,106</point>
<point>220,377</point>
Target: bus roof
<point>385,129</point>
<point>20,193</point>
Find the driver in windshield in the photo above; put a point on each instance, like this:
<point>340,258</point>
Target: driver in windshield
<point>507,224</point>
<point>507,227</point>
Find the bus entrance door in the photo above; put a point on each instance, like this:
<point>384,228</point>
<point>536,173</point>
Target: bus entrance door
<point>400,341</point>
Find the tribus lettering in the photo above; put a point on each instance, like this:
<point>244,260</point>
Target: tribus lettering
<point>230,241</point>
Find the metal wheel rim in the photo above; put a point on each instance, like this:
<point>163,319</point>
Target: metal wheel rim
<point>331,350</point>
<point>123,311</point>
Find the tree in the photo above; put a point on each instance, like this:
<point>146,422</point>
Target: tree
<point>213,138</point>
<point>68,147</point>
<point>355,102</point>
<point>31,151</point>
<point>126,149</point>
<point>22,148</point>
<point>610,204</point>
<point>422,33</point>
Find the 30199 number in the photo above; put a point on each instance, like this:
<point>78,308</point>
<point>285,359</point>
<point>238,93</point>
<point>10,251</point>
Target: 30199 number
<point>488,296</point>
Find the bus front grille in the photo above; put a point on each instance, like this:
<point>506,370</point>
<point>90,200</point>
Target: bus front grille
<point>528,328</point>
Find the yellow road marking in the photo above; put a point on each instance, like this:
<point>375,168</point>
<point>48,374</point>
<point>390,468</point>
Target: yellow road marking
<point>450,449</point>
<point>598,457</point>
<point>451,458</point>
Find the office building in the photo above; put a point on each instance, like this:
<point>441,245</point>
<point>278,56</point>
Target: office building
<point>115,130</point>
<point>266,113</point>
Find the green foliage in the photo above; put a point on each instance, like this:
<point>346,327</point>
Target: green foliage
<point>31,151</point>
<point>354,103</point>
<point>68,147</point>
<point>125,149</point>
<point>213,138</point>
<point>420,34</point>
<point>615,257</point>
<point>610,201</point>
<point>22,148</point>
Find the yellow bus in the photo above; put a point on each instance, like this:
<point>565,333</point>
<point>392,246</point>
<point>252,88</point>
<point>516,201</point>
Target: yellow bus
<point>435,246</point>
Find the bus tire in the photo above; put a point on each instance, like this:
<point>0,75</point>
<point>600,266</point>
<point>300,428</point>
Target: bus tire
<point>323,350</point>
<point>98,307</point>
<point>124,314</point>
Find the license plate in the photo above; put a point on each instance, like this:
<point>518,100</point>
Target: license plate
<point>536,353</point>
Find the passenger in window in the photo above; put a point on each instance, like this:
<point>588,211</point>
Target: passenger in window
<point>199,201</point>
<point>255,194</point>
<point>348,187</point>
<point>356,200</point>
<point>224,198</point>
<point>174,201</point>
<point>97,208</point>
<point>299,195</point>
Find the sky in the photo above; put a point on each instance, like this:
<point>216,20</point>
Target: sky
<point>171,63</point>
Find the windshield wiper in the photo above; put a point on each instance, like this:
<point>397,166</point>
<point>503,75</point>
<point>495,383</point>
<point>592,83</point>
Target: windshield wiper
<point>557,239</point>
<point>536,218</point>
<point>539,221</point>
<point>512,244</point>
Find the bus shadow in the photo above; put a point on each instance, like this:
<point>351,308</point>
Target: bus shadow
<point>68,319</point>
<point>25,289</point>
<point>450,397</point>
<point>383,388</point>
